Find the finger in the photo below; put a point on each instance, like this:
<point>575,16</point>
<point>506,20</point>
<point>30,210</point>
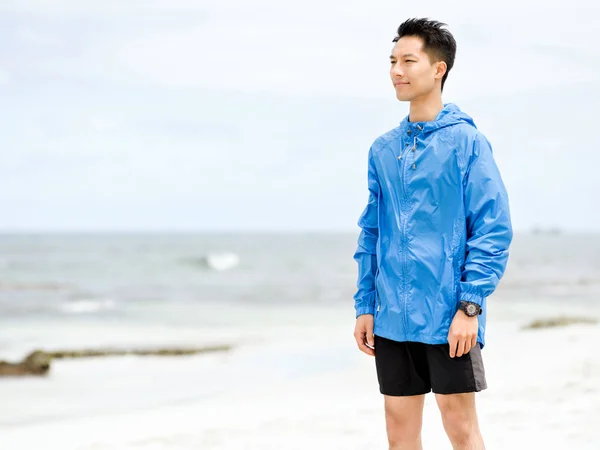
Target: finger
<point>470,344</point>
<point>370,338</point>
<point>461,347</point>
<point>360,340</point>
<point>452,341</point>
<point>468,341</point>
<point>473,341</point>
<point>367,350</point>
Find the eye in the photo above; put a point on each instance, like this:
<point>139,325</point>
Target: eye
<point>410,60</point>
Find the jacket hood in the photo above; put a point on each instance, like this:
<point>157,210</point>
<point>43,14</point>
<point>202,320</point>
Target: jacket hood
<point>448,116</point>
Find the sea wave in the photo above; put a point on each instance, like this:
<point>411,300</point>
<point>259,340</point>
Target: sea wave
<point>18,286</point>
<point>88,306</point>
<point>218,261</point>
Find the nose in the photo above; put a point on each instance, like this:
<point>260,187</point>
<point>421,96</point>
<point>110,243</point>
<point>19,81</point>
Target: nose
<point>396,70</point>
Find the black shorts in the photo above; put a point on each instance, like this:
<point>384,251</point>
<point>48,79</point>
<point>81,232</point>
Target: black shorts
<point>414,368</point>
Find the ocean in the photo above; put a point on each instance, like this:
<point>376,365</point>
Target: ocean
<point>175,279</point>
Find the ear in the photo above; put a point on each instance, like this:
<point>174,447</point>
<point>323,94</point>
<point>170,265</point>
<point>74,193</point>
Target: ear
<point>440,69</point>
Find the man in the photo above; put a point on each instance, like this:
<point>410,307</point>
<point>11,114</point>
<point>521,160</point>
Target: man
<point>433,245</point>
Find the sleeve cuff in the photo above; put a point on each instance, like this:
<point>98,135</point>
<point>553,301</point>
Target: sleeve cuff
<point>473,298</point>
<point>369,309</point>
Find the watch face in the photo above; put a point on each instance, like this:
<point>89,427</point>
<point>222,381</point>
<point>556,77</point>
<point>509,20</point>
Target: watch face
<point>471,309</point>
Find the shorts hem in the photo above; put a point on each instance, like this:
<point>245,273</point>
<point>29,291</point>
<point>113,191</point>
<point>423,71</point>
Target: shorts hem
<point>466,390</point>
<point>404,394</point>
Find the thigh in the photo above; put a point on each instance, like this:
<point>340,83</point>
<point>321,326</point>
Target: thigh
<point>456,375</point>
<point>452,403</point>
<point>458,411</point>
<point>404,417</point>
<point>401,367</point>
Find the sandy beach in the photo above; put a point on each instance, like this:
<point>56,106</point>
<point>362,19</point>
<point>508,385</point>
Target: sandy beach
<point>302,387</point>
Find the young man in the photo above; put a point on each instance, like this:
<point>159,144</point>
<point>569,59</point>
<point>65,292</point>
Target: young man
<point>433,245</point>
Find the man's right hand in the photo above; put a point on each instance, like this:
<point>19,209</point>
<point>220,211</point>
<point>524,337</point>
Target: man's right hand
<point>363,333</point>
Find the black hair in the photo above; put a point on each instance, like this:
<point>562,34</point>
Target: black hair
<point>438,42</point>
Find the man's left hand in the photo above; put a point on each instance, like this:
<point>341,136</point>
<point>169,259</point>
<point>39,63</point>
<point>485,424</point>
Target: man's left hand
<point>462,336</point>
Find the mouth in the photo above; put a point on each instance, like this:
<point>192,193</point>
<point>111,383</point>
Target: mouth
<point>400,83</point>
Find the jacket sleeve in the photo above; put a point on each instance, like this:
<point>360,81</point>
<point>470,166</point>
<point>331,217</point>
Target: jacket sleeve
<point>366,251</point>
<point>488,222</point>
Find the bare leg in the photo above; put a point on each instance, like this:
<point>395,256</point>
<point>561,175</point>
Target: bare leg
<point>403,421</point>
<point>460,420</point>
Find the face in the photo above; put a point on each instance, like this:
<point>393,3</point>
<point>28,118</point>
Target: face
<point>411,71</point>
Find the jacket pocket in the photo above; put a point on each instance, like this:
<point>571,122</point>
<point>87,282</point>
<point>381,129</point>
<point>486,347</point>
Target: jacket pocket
<point>377,301</point>
<point>456,258</point>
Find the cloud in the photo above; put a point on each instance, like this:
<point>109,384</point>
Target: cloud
<point>63,8</point>
<point>103,124</point>
<point>4,77</point>
<point>309,52</point>
<point>234,114</point>
<point>29,35</point>
<point>291,58</point>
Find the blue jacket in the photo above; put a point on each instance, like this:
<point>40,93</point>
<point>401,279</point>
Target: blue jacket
<point>436,229</point>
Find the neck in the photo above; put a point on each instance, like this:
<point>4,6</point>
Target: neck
<point>426,108</point>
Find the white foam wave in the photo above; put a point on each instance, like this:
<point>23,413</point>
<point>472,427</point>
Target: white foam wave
<point>88,306</point>
<point>222,260</point>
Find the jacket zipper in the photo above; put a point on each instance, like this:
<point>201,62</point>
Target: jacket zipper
<point>403,230</point>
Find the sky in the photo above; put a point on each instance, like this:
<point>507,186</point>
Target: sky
<point>181,115</point>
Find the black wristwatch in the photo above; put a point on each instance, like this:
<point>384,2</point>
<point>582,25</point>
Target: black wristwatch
<point>469,308</point>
